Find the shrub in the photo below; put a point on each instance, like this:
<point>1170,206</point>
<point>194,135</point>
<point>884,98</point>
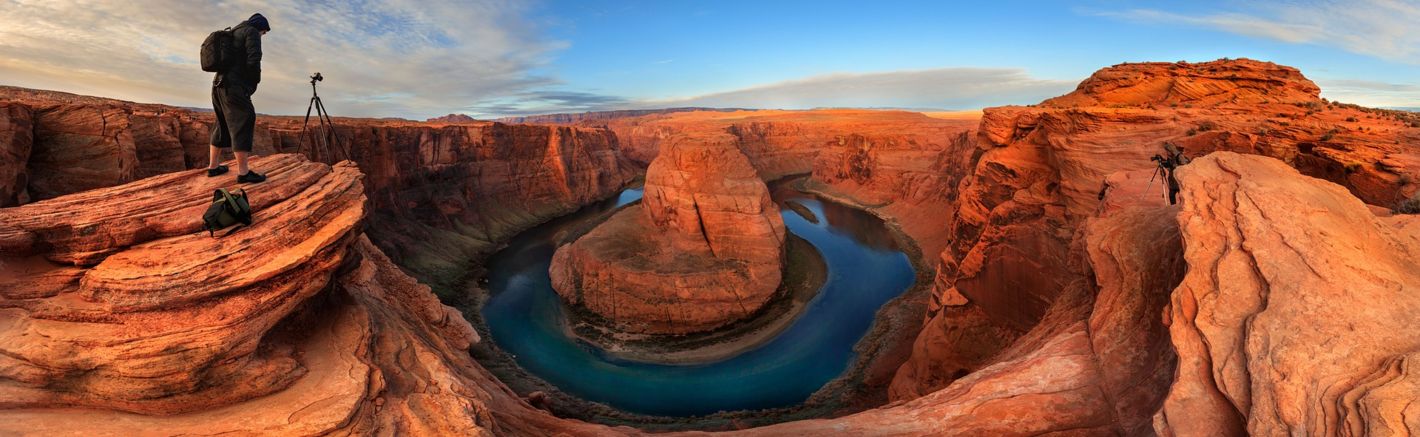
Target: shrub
<point>1329,135</point>
<point>1192,132</point>
<point>1408,206</point>
<point>1352,167</point>
<point>1351,119</point>
<point>1206,126</point>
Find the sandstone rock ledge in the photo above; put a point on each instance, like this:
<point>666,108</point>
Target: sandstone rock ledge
<point>120,316</point>
<point>704,248</point>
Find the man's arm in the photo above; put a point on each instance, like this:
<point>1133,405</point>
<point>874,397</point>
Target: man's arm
<point>253,45</point>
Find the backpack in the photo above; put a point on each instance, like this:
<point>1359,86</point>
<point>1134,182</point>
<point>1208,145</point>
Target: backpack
<point>217,51</point>
<point>227,209</point>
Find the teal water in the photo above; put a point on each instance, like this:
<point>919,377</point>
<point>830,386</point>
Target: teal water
<point>865,270</point>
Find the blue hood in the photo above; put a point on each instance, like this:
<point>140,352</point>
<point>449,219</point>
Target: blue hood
<point>258,21</point>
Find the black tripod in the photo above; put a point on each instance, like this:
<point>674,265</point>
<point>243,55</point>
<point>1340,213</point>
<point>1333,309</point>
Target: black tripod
<point>325,144</point>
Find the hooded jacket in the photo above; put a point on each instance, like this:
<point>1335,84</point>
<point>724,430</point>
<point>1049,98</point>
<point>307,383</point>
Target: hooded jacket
<point>246,74</point>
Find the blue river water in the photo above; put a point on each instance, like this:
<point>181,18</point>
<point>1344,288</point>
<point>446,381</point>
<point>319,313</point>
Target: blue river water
<point>865,270</point>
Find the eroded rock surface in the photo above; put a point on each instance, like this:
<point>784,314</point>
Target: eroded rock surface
<point>441,194</point>
<point>1071,298</point>
<point>1042,169</point>
<point>704,248</point>
<point>16,140</point>
<point>1265,344</point>
<point>126,304</point>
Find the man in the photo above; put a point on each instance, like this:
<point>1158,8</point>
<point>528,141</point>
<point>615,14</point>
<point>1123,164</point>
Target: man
<point>231,100</point>
<point>1168,163</point>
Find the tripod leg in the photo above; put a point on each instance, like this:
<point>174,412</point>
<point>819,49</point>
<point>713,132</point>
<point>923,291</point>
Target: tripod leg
<point>305,126</point>
<point>332,138</point>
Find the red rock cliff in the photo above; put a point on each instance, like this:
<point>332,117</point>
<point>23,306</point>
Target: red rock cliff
<point>1042,169</point>
<point>441,195</point>
<point>703,249</point>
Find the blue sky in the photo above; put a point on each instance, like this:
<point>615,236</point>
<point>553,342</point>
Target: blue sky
<point>488,58</point>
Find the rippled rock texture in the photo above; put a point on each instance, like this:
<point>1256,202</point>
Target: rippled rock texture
<point>116,298</point>
<point>1042,170</point>
<point>133,321</point>
<point>1266,345</point>
<point>441,194</point>
<point>702,250</point>
<point>1070,296</point>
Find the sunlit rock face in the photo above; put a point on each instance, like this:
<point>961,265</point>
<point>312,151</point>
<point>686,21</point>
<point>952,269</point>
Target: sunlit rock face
<point>1070,296</point>
<point>1263,346</point>
<point>1043,169</point>
<point>703,249</point>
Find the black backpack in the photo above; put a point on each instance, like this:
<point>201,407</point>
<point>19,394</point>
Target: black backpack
<point>218,51</point>
<point>227,209</point>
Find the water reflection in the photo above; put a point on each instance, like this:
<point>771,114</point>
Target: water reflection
<point>865,270</point>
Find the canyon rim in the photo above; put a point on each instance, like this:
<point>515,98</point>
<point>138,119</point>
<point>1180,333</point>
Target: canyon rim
<point>704,267</point>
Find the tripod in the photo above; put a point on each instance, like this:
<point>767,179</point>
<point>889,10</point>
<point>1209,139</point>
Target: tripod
<point>325,144</point>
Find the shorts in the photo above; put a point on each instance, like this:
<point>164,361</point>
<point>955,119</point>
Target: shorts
<point>236,118</point>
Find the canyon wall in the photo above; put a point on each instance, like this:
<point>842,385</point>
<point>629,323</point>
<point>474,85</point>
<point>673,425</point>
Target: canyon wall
<point>905,165</point>
<point>704,248</point>
<point>328,336</point>
<point>441,194</point>
<point>1070,297</point>
<point>135,322</point>
<point>1042,169</point>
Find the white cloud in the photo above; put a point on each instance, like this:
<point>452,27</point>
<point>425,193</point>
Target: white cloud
<point>1371,93</point>
<point>1384,29</point>
<point>939,88</point>
<point>379,57</point>
<point>933,88</point>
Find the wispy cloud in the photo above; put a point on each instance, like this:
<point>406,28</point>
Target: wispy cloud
<point>942,88</point>
<point>1384,29</point>
<point>932,88</point>
<point>1372,93</point>
<point>380,57</point>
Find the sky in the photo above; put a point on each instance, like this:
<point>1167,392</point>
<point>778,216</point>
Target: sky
<point>489,58</point>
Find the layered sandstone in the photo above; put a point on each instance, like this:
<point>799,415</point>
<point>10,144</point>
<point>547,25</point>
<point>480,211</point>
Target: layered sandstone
<point>703,249</point>
<point>903,165</point>
<point>441,194</point>
<point>1072,298</point>
<point>115,298</point>
<point>1098,362</point>
<point>1264,345</point>
<point>1041,171</point>
<point>133,321</point>
<point>16,141</point>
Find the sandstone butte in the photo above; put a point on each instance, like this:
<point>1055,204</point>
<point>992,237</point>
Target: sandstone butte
<point>703,249</point>
<point>1278,296</point>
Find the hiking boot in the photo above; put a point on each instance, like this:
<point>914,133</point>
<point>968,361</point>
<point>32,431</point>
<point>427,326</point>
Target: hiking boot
<point>216,171</point>
<point>251,177</point>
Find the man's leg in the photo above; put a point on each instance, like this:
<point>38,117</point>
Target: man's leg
<point>242,162</point>
<point>241,120</point>
<point>214,156</point>
<point>221,136</point>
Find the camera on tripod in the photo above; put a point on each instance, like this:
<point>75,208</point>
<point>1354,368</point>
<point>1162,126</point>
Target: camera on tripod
<point>325,143</point>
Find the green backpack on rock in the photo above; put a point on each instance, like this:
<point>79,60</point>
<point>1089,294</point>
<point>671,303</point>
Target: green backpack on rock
<point>227,209</point>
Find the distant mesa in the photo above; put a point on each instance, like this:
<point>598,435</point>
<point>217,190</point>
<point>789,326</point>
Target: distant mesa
<point>585,117</point>
<point>452,119</point>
